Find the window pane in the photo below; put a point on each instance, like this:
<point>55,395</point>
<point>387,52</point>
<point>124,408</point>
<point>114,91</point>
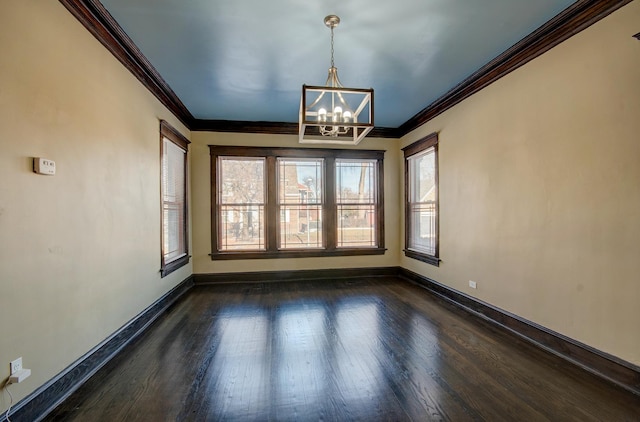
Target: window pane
<point>241,186</point>
<point>173,201</point>
<point>300,198</point>
<point>300,227</point>
<point>172,219</point>
<point>423,228</point>
<point>356,199</point>
<point>241,180</point>
<point>242,227</point>
<point>355,181</point>
<point>300,181</point>
<point>422,169</point>
<point>422,202</point>
<point>356,226</point>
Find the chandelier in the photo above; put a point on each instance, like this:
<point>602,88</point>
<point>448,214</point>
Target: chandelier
<point>333,114</point>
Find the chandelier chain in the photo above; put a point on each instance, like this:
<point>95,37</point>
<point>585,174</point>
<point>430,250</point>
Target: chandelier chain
<point>332,64</point>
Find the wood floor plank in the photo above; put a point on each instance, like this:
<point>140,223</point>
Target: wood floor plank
<point>366,349</point>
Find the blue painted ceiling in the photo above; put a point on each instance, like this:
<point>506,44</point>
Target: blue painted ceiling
<point>246,60</point>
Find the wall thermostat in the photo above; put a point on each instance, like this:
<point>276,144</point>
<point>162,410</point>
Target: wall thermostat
<point>44,166</point>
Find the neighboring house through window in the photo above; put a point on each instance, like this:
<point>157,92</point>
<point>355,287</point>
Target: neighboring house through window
<point>421,200</point>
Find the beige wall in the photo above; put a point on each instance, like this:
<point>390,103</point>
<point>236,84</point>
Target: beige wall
<point>79,251</point>
<point>540,189</point>
<point>201,207</point>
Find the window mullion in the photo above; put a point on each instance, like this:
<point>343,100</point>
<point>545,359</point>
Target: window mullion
<point>215,205</point>
<point>437,204</point>
<point>272,217</point>
<point>329,207</point>
<point>380,202</point>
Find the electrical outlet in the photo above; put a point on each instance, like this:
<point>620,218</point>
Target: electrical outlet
<point>16,365</point>
<point>18,373</point>
<point>44,166</point>
<point>473,284</point>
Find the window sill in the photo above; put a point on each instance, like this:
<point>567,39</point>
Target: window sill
<point>174,265</point>
<point>429,259</point>
<point>295,254</point>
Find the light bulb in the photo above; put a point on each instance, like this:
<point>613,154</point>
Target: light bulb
<point>337,114</point>
<point>322,115</point>
<point>346,116</point>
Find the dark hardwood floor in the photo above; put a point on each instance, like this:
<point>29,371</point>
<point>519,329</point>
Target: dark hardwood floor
<point>375,349</point>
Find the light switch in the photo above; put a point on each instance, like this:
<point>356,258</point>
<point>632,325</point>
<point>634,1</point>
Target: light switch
<point>44,166</point>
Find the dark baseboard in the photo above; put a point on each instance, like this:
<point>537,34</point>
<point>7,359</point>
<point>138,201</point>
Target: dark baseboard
<point>295,275</point>
<point>43,400</point>
<point>611,368</point>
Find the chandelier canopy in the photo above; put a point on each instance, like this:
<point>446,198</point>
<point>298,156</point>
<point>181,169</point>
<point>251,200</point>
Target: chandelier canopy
<point>333,114</point>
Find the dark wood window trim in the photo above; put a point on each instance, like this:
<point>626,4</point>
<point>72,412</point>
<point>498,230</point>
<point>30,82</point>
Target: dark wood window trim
<point>170,133</point>
<point>329,226</point>
<point>409,151</point>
